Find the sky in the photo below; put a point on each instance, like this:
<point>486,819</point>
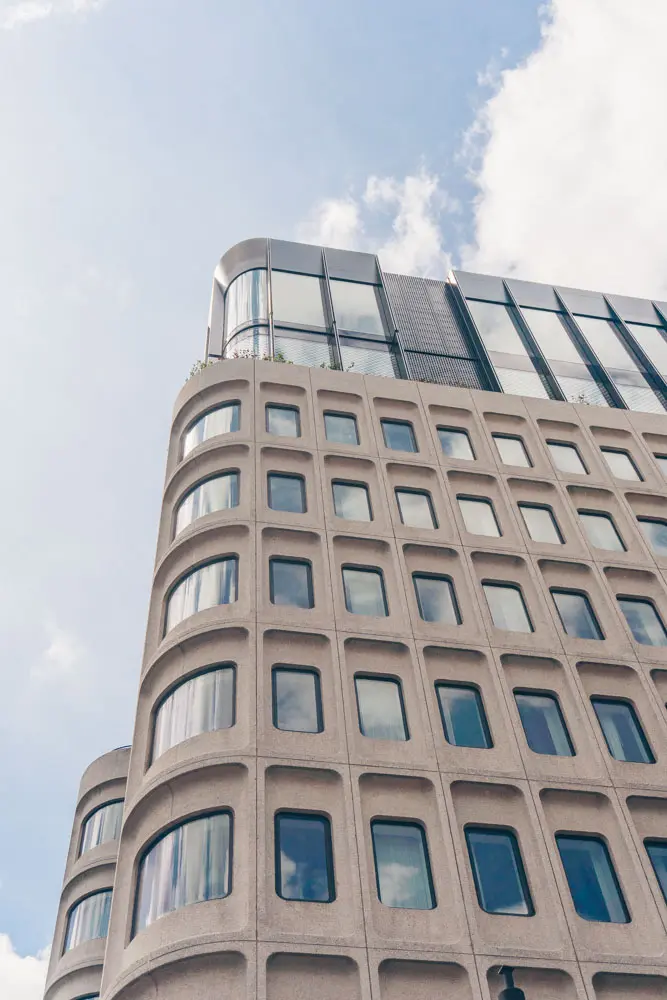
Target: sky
<point>140,139</point>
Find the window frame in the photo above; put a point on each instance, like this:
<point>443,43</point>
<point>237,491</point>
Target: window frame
<point>640,732</point>
<point>573,447</point>
<point>646,519</point>
<point>635,599</point>
<point>608,449</point>
<point>599,839</point>
<point>277,668</point>
<point>170,691</point>
<point>232,556</point>
<point>589,604</point>
<point>398,683</point>
<point>311,586</point>
<point>359,485</point>
<point>365,569</point>
<point>350,416</point>
<point>477,499</point>
<point>656,842</point>
<point>429,500</point>
<point>220,474</point>
<point>328,851</point>
<point>202,416</point>
<point>521,504</point>
<point>443,578</point>
<point>415,824</point>
<point>590,512</point>
<point>479,700</point>
<point>401,423</point>
<point>495,435</point>
<point>68,916</point>
<point>456,430</point>
<point>283,406</point>
<point>513,838</point>
<point>84,821</point>
<point>553,696</point>
<point>502,584</point>
<point>287,475</point>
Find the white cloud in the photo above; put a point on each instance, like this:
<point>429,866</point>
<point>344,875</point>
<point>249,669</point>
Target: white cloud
<point>334,222</point>
<point>572,157</point>
<point>62,660</point>
<point>21,977</point>
<point>16,14</point>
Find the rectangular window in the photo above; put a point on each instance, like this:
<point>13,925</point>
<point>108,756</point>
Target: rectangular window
<point>622,731</point>
<point>657,852</point>
<point>479,516</point>
<point>512,450</point>
<point>643,621</point>
<point>287,493</point>
<point>620,464</point>
<point>655,533</point>
<point>297,299</point>
<point>297,701</point>
<point>497,868</point>
<point>341,428</point>
<point>304,858</point>
<point>463,716</point>
<point>291,583</point>
<point>402,869</point>
<point>380,707</point>
<point>590,875</point>
<point>416,509</point>
<point>455,443</point>
<point>283,421</point>
<point>436,599</point>
<point>600,531</point>
<point>399,435</point>
<point>566,458</point>
<point>541,523</point>
<point>356,308</point>
<point>507,607</point>
<point>543,723</point>
<point>576,614</point>
<point>351,501</point>
<point>364,592</point>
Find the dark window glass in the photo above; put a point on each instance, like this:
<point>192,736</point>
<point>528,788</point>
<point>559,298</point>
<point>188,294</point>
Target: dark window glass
<point>644,621</point>
<point>304,858</point>
<point>341,428</point>
<point>402,869</point>
<point>662,463</point>
<point>498,871</point>
<point>590,875</point>
<point>297,702</point>
<point>655,533</point>
<point>541,523</point>
<point>416,509</point>
<point>189,864</point>
<point>209,585</point>
<point>455,443</point>
<point>283,421</point>
<point>399,435</point>
<point>657,852</point>
<point>223,420</point>
<point>88,919</point>
<point>543,723</point>
<point>622,731</point>
<point>463,716</point>
<point>351,501</point>
<point>200,704</point>
<point>566,458</point>
<point>479,516</point>
<point>576,614</point>
<point>436,599</point>
<point>291,583</point>
<point>381,709</point>
<point>287,493</point>
<point>512,450</point>
<point>364,592</point>
<point>102,826</point>
<point>218,493</point>
<point>507,607</point>
<point>601,531</point>
<point>620,464</point>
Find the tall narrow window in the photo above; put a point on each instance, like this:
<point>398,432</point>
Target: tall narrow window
<point>590,875</point>
<point>498,871</point>
<point>543,723</point>
<point>102,826</point>
<point>436,599</point>
<point>380,707</point>
<point>364,592</point>
<point>622,730</point>
<point>88,919</point>
<point>512,450</point>
<point>304,858</point>
<point>643,620</point>
<point>576,614</point>
<point>416,509</point>
<point>657,852</point>
<point>210,585</point>
<point>246,301</point>
<point>341,428</point>
<point>291,583</point>
<point>286,493</point>
<point>399,435</point>
<point>662,463</point>
<point>218,493</point>
<point>655,533</point>
<point>600,531</point>
<point>223,419</point>
<point>297,702</point>
<point>541,523</point>
<point>455,443</point>
<point>479,516</point>
<point>566,458</point>
<point>283,421</point>
<point>189,864</point>
<point>463,716</point>
<point>200,704</point>
<point>620,464</point>
<point>507,607</point>
<point>351,501</point>
<point>402,869</point>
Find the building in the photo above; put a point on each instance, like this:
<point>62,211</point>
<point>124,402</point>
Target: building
<point>401,717</point>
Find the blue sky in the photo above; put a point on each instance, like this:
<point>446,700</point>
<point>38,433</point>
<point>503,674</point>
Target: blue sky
<point>140,139</point>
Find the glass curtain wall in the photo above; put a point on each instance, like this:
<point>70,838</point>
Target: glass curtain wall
<point>605,338</point>
<point>573,373</point>
<point>498,327</point>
